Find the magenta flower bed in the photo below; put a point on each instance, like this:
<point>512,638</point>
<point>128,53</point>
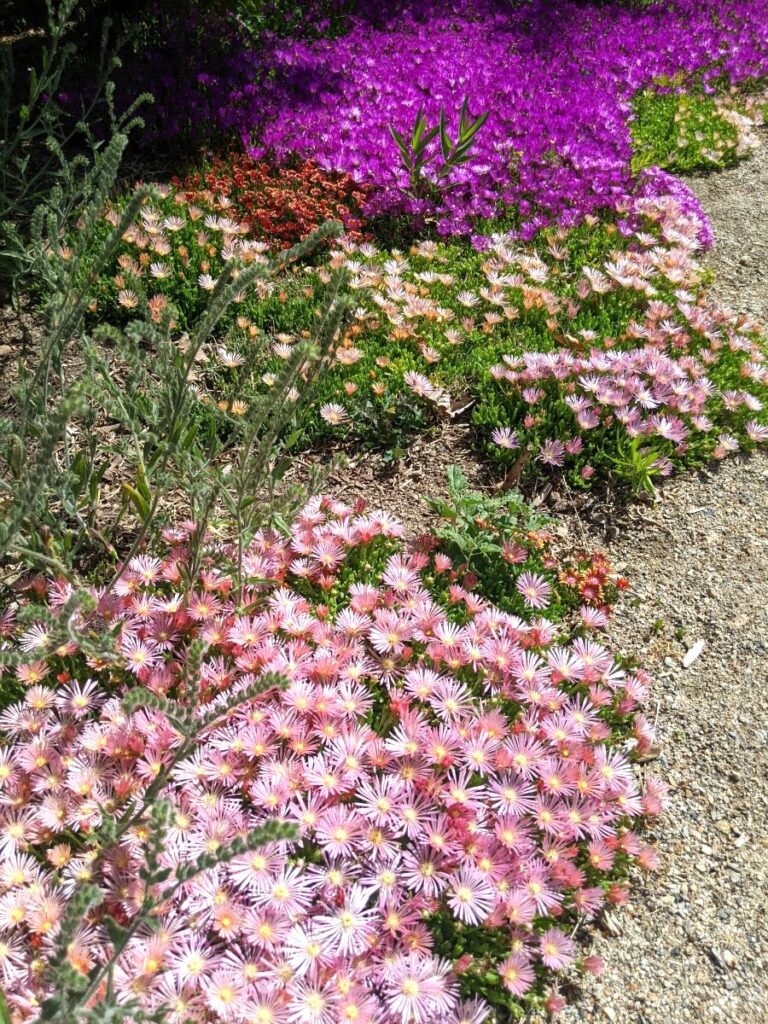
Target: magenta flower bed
<point>556,78</point>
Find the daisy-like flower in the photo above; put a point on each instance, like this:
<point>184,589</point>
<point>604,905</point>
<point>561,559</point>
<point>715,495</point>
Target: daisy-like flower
<point>418,383</point>
<point>31,672</point>
<point>306,951</point>
<point>312,1002</point>
<point>557,950</point>
<point>203,606</point>
<point>417,988</point>
<point>338,830</point>
<point>139,654</point>
<point>146,568</point>
<point>12,959</point>
<point>470,897</point>
<point>78,699</point>
<point>8,769</point>
<point>334,414</point>
<point>390,633</point>
<point>224,993</point>
<point>756,431</point>
<point>127,298</point>
<point>535,590</point>
<point>431,355</point>
<point>289,893</point>
<point>349,928</point>
<point>225,357</point>
<point>36,638</point>
<point>505,437</point>
<point>517,974</point>
<point>552,453</point>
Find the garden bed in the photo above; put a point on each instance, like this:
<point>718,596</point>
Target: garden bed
<point>380,745</point>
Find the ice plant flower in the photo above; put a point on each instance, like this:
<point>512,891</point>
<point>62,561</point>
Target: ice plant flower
<point>444,761</point>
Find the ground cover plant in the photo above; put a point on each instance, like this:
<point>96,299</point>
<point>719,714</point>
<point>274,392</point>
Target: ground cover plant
<point>280,205</point>
<point>598,351</point>
<point>458,775</point>
<point>555,81</point>
<point>686,131</point>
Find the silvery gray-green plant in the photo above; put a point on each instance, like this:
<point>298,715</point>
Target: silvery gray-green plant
<point>129,409</point>
<point>50,156</point>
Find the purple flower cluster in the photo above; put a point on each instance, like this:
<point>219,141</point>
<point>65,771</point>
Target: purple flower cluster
<point>557,79</point>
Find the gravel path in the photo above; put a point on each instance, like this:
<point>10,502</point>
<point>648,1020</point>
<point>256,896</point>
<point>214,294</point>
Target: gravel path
<point>694,945</point>
<point>737,203</point>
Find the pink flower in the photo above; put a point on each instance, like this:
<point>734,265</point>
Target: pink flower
<point>557,950</point>
<point>517,974</point>
<point>594,965</point>
<point>534,589</point>
<point>418,989</point>
<point>139,654</point>
<point>470,897</point>
<point>505,437</point>
<point>552,453</point>
<point>413,788</point>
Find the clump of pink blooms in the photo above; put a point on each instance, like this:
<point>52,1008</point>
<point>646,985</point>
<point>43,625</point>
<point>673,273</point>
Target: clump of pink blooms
<point>438,756</point>
<point>687,378</point>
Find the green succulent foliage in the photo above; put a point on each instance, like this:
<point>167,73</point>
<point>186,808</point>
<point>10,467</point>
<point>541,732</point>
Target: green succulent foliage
<point>681,131</point>
<point>485,948</point>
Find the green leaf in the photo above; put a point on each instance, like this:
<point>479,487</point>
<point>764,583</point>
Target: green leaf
<point>138,501</point>
<point>457,482</point>
<point>418,128</point>
<point>5,1013</point>
<point>16,456</point>
<point>48,1010</point>
<point>402,145</point>
<point>442,508</point>
<point>115,931</point>
<point>463,120</point>
<point>471,131</point>
<point>445,140</point>
<point>425,141</point>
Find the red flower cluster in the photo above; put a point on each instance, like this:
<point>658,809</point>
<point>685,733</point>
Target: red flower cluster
<point>280,204</point>
<point>594,579</point>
